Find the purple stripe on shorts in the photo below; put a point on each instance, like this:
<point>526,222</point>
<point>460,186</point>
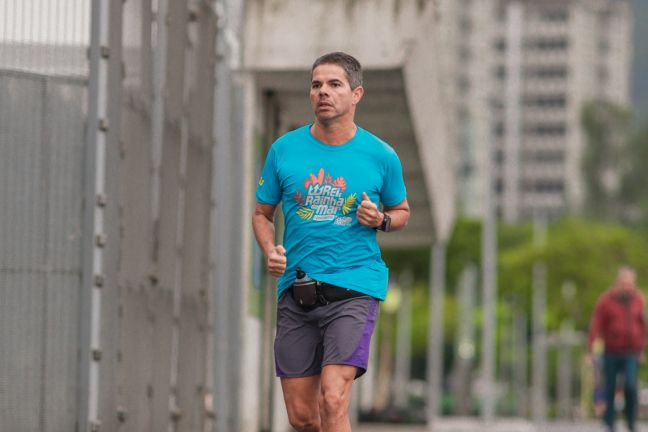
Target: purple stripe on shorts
<point>360,356</point>
<point>278,370</point>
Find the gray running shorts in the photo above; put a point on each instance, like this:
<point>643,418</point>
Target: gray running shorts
<point>337,333</point>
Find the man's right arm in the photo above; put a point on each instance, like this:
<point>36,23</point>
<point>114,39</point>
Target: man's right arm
<point>596,323</point>
<point>264,231</point>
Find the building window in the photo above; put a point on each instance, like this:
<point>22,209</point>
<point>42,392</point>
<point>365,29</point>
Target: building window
<point>500,72</point>
<point>548,72</point>
<point>465,24</point>
<point>548,156</point>
<point>602,74</point>
<point>499,129</point>
<point>499,185</point>
<point>499,156</point>
<point>500,45</point>
<point>554,15</point>
<point>548,44</point>
<point>547,129</point>
<point>463,83</point>
<point>549,186</point>
<point>604,46</point>
<point>546,101</point>
<point>527,186</point>
<point>465,53</point>
<point>467,170</point>
<point>499,12</point>
<point>496,103</point>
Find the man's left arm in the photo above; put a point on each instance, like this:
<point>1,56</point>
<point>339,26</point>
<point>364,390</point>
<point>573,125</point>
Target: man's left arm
<point>369,215</point>
<point>399,215</point>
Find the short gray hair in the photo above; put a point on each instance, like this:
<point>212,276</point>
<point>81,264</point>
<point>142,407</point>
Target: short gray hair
<point>350,64</point>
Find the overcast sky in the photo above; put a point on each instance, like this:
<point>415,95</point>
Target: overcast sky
<point>45,21</point>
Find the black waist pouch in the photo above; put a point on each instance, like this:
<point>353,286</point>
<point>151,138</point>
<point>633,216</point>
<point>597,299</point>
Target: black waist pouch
<point>334,293</point>
<point>305,293</point>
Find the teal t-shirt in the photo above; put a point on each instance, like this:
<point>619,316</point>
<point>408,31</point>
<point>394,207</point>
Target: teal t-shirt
<point>320,187</point>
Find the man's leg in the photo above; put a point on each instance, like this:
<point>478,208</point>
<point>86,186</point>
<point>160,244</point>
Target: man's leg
<point>301,397</point>
<point>335,396</point>
<point>610,377</point>
<point>631,366</point>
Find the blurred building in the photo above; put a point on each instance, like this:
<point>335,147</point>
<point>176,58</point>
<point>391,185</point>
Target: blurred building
<point>522,71</point>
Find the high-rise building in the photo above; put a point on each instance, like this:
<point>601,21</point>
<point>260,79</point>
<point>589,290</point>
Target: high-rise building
<point>520,72</point>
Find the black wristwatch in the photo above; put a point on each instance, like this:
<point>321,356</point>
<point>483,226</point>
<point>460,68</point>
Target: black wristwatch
<point>386,223</point>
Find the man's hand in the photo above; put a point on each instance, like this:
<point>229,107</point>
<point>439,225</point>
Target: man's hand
<point>277,261</point>
<point>589,359</point>
<point>368,214</point>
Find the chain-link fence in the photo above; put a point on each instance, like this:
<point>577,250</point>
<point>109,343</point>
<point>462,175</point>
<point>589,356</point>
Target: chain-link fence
<point>106,178</point>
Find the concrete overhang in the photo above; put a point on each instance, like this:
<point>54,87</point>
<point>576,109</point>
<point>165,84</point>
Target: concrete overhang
<point>403,102</point>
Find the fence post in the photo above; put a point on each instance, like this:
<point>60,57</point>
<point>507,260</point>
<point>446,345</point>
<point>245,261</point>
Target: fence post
<point>94,238</point>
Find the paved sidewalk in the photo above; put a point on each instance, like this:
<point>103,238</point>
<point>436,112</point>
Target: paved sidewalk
<point>473,425</point>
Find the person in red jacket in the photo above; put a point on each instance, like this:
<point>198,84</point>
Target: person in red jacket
<point>618,320</point>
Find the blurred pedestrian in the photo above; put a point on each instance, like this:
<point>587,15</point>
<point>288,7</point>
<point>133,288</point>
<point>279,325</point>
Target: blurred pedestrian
<point>618,320</point>
<point>330,177</point>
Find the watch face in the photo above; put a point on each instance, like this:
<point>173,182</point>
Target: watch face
<point>386,225</point>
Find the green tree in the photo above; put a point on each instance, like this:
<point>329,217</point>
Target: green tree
<point>605,158</point>
<point>633,189</point>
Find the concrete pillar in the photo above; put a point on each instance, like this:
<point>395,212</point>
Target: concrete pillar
<point>465,352</point>
<point>520,360</point>
<point>489,290</point>
<point>367,384</point>
<point>564,375</point>
<point>224,247</point>
<point>539,390</point>
<point>403,348</point>
<point>435,332</point>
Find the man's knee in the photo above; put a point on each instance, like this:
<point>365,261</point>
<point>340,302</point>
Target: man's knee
<point>303,420</point>
<point>333,403</point>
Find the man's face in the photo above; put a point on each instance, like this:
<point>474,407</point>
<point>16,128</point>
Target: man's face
<point>331,95</point>
<point>626,278</point>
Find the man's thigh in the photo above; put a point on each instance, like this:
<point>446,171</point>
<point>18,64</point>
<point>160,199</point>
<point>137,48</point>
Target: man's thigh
<point>347,329</point>
<point>298,343</point>
<point>338,379</point>
<point>301,394</point>
<point>302,397</point>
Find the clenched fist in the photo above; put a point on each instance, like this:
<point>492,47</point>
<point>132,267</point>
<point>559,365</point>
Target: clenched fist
<point>367,213</point>
<point>277,261</point>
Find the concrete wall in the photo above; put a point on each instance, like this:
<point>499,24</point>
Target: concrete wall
<point>286,34</point>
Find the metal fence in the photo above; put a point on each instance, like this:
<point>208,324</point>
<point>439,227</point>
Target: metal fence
<point>41,137</point>
<point>107,177</point>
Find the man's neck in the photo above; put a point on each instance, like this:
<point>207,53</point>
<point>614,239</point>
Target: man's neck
<point>334,134</point>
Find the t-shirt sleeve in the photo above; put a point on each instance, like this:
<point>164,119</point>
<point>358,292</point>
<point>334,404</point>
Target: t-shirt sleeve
<point>393,191</point>
<point>268,189</point>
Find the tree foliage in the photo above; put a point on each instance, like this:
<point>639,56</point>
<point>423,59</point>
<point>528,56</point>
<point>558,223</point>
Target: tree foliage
<point>581,256</point>
<point>614,164</point>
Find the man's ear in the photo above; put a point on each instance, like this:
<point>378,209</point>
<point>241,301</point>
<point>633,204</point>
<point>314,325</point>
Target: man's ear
<point>357,94</point>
